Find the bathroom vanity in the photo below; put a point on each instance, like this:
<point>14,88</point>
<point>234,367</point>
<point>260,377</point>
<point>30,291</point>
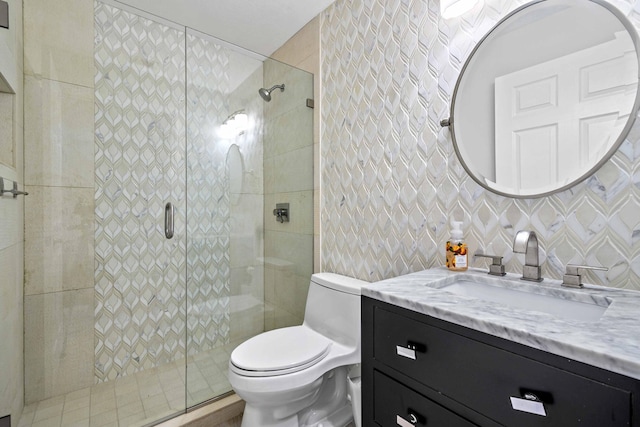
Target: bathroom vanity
<point>436,355</point>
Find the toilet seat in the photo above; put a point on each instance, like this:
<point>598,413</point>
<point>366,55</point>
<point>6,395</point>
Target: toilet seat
<point>279,352</point>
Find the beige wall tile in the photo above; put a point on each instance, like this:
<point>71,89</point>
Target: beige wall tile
<point>311,63</point>
<point>11,52</point>
<point>11,224</point>
<point>288,131</point>
<point>7,149</point>
<point>291,171</point>
<point>11,333</point>
<point>58,40</point>
<point>246,302</point>
<point>304,44</point>
<point>246,238</point>
<point>317,250</point>
<point>58,343</point>
<point>300,208</point>
<point>59,235</point>
<point>296,249</point>
<point>59,133</point>
<point>289,177</point>
<point>248,281</point>
<point>298,87</point>
<point>11,214</point>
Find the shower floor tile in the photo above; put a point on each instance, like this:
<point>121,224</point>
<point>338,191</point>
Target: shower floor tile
<point>137,400</point>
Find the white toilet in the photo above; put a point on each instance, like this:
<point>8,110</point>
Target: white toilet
<point>297,376</point>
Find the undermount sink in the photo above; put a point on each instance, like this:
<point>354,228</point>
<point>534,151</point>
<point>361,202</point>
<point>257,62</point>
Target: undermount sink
<point>520,299</point>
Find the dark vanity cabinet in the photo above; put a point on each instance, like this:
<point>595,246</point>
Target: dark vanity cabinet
<point>422,371</point>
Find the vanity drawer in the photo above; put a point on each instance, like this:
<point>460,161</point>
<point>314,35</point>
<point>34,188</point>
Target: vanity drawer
<point>485,378</point>
<point>397,405</point>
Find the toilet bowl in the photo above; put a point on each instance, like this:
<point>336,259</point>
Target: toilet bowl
<point>297,376</point>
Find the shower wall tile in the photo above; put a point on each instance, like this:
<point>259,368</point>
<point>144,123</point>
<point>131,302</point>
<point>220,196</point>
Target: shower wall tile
<point>11,333</point>
<point>300,208</point>
<point>298,87</point>
<point>292,296</point>
<point>246,302</point>
<point>12,223</point>
<point>58,239</point>
<point>302,46</point>
<point>58,343</point>
<point>282,132</point>
<point>291,171</point>
<point>303,52</point>
<point>288,177</point>
<point>60,133</point>
<point>247,242</point>
<point>58,40</point>
<point>296,249</point>
<point>12,214</point>
<point>391,179</point>
<point>7,149</point>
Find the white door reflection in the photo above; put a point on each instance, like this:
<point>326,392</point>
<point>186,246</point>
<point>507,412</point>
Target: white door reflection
<point>583,99</point>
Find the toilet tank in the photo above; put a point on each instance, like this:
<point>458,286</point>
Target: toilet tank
<point>333,307</point>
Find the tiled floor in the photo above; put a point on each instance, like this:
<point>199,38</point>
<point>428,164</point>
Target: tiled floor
<point>137,400</point>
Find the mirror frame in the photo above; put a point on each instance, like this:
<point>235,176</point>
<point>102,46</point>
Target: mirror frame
<point>450,122</point>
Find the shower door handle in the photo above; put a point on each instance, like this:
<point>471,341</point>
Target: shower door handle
<point>169,211</point>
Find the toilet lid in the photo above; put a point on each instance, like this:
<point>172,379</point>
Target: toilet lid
<point>287,349</point>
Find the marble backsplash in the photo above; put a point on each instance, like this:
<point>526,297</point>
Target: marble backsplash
<point>390,176</point>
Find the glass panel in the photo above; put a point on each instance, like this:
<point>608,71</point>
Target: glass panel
<point>288,163</point>
<point>244,155</point>
<point>140,168</point>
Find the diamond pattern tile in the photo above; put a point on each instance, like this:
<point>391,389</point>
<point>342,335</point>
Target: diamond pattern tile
<point>390,176</point>
<point>140,165</point>
<point>208,223</point>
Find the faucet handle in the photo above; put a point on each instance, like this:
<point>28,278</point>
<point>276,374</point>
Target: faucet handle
<point>496,268</point>
<point>572,279</point>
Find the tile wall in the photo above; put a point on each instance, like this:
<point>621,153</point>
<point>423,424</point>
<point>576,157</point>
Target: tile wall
<point>390,177</point>
<point>58,253</point>
<point>12,222</point>
<point>303,51</point>
<point>140,167</point>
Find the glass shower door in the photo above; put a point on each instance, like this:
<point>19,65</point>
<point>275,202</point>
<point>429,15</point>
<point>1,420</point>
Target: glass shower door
<point>246,272</point>
<point>140,238</point>
<point>224,203</point>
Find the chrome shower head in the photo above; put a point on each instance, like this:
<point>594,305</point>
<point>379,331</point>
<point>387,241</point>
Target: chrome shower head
<point>266,93</point>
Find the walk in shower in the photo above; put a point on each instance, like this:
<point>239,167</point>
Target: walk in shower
<point>190,162</point>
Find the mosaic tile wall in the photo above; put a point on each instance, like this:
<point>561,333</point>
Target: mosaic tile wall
<point>141,164</point>
<point>208,265</point>
<point>390,176</point>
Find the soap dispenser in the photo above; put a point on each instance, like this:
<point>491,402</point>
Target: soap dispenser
<point>456,249</point>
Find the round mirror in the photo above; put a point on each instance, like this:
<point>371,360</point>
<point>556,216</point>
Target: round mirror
<point>546,97</point>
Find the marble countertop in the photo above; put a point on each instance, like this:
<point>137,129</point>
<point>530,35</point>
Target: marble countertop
<point>611,342</point>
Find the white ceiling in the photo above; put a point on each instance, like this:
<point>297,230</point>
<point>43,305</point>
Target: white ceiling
<point>261,26</point>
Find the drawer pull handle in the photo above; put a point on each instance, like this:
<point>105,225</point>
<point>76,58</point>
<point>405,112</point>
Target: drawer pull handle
<point>410,350</point>
<point>414,419</point>
<point>529,404</point>
<point>406,352</point>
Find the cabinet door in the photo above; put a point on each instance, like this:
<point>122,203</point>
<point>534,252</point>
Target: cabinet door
<point>485,378</point>
<point>397,405</point>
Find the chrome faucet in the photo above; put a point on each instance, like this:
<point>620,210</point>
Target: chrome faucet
<point>526,242</point>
